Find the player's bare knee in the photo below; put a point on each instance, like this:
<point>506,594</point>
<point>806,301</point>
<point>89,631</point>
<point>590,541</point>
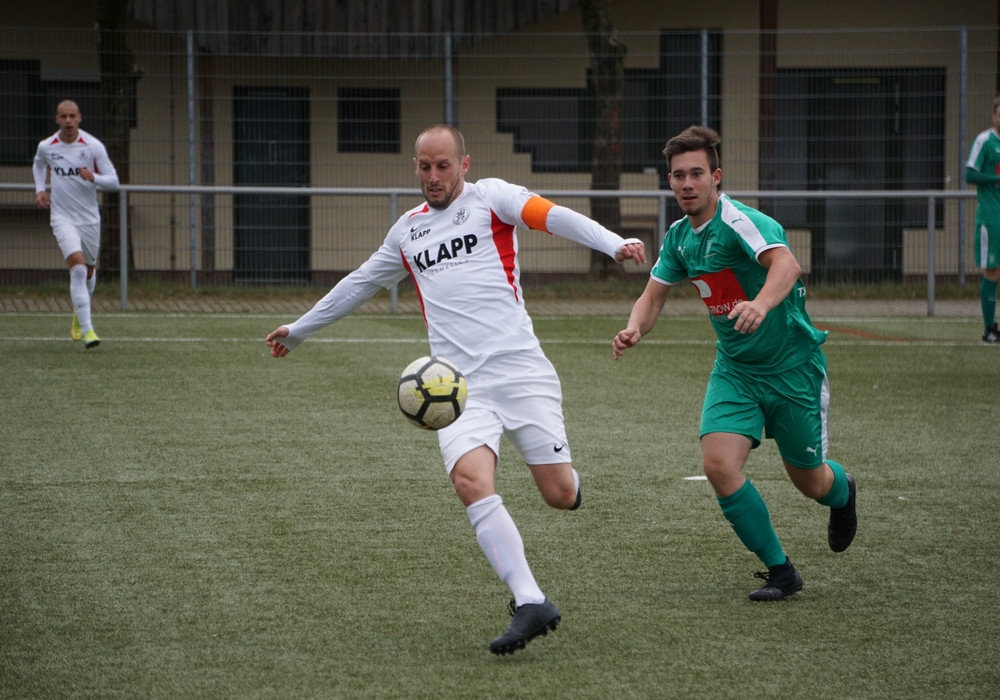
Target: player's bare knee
<point>715,470</point>
<point>811,483</point>
<point>812,491</point>
<point>561,498</point>
<point>815,488</point>
<point>471,490</point>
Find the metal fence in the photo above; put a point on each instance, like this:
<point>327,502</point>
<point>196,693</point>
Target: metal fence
<point>277,160</point>
<point>921,255</point>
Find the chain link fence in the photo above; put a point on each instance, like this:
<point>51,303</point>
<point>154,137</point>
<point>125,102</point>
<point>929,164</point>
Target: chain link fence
<point>281,159</point>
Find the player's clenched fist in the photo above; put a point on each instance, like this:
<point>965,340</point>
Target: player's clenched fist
<point>624,340</point>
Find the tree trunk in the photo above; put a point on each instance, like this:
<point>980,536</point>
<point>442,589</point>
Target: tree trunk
<point>607,67</point>
<point>118,78</point>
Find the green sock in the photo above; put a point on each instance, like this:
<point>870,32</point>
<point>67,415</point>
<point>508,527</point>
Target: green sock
<point>840,491</point>
<point>747,513</point>
<point>988,300</point>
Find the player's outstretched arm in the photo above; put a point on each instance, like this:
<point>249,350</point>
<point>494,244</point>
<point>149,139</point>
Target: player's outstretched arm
<point>346,296</point>
<point>542,215</point>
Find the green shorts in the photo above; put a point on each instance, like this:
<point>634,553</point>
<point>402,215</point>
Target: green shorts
<point>987,246</point>
<point>789,407</point>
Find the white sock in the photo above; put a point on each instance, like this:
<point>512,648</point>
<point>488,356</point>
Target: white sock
<point>501,543</point>
<point>92,283</point>
<point>80,296</point>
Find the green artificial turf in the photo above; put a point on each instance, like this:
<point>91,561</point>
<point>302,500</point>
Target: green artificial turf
<point>182,516</point>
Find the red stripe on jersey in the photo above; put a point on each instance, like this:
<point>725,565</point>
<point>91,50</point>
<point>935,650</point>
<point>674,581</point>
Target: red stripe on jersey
<point>720,291</point>
<point>422,210</point>
<point>503,239</point>
<point>416,285</point>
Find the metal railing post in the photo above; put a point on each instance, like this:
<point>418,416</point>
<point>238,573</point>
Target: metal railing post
<point>661,225</point>
<point>192,232</point>
<point>123,250</point>
<point>393,215</point>
<point>963,96</point>
<point>931,225</point>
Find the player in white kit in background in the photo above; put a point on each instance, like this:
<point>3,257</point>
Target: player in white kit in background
<point>76,163</point>
<point>460,249</point>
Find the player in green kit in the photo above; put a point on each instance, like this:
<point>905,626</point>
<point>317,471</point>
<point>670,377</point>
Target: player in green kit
<point>770,370</point>
<point>982,169</point>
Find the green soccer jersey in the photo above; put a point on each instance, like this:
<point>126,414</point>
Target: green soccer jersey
<point>984,157</point>
<point>720,259</point>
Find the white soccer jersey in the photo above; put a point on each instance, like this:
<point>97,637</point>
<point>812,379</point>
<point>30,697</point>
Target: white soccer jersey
<point>73,198</point>
<point>464,264</point>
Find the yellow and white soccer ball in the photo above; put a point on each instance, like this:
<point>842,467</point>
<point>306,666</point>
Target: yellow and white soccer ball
<point>432,392</point>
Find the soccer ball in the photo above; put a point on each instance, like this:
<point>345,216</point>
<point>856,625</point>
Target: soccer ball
<point>432,392</point>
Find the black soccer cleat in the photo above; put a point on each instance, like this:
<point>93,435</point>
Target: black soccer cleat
<point>844,521</point>
<point>992,335</point>
<point>780,582</point>
<point>530,620</point>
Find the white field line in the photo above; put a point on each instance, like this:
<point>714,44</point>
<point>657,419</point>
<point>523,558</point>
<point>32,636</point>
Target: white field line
<point>143,315</point>
<point>839,340</point>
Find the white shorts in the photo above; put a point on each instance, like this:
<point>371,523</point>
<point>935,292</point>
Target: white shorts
<point>517,395</point>
<point>71,237</point>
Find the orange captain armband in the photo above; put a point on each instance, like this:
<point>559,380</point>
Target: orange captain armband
<point>535,212</point>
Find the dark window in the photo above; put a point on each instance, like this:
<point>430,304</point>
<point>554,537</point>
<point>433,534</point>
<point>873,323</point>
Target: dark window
<point>688,89</point>
<point>556,126</point>
<point>28,108</point>
<point>368,120</point>
<point>864,129</point>
<point>548,124</point>
<point>22,108</point>
<point>271,232</point>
